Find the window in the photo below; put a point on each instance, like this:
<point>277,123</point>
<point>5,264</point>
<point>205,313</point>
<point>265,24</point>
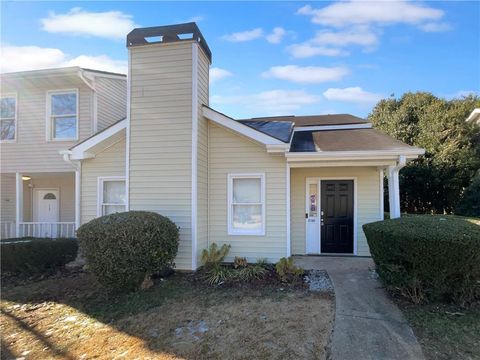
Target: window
<point>63,115</point>
<point>246,204</point>
<point>111,195</point>
<point>8,117</point>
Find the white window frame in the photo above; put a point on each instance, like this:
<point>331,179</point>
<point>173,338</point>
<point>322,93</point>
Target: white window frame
<point>10,95</point>
<point>49,117</point>
<point>100,181</point>
<point>231,229</point>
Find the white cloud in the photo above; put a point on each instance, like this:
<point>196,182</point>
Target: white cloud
<point>352,94</point>
<point>435,27</point>
<point>372,12</point>
<point>109,24</point>
<point>307,74</point>
<point>22,58</point>
<point>244,35</point>
<point>276,36</point>
<point>218,74</point>
<point>273,102</point>
<point>305,50</point>
<point>359,35</point>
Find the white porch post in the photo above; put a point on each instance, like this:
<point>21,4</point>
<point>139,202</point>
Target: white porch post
<point>78,179</point>
<point>287,181</point>
<point>18,202</point>
<point>394,188</point>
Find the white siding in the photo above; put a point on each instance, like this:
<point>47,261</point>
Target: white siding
<point>231,153</point>
<point>110,162</point>
<point>111,101</point>
<point>161,136</point>
<point>7,194</point>
<point>368,201</point>
<point>32,152</point>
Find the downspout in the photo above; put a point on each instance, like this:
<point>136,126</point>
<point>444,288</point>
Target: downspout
<point>77,165</point>
<point>91,84</point>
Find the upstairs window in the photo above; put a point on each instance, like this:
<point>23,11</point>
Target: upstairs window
<point>111,195</point>
<point>63,115</point>
<point>246,204</point>
<point>8,117</point>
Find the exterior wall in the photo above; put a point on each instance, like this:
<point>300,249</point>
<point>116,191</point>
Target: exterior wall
<point>161,136</point>
<point>202,156</point>
<point>231,153</point>
<point>110,162</point>
<point>368,201</point>
<point>65,183</point>
<point>7,194</point>
<point>111,101</point>
<point>31,152</point>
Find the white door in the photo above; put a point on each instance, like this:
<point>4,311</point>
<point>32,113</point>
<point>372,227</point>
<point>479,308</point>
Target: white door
<point>312,218</point>
<point>46,212</point>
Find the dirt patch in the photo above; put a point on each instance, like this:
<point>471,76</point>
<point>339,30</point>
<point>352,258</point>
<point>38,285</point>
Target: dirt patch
<point>71,318</point>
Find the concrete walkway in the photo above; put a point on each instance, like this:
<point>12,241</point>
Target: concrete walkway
<point>367,324</point>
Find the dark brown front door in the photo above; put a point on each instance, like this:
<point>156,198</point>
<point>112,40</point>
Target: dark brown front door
<point>337,216</point>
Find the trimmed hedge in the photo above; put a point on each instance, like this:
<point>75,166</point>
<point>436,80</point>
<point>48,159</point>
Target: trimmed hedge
<point>36,255</point>
<point>427,257</point>
<point>122,249</point>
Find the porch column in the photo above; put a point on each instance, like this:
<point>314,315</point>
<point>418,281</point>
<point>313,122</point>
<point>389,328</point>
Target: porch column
<point>78,177</point>
<point>394,188</point>
<point>18,203</point>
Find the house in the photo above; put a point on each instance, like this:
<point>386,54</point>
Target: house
<point>43,112</point>
<point>474,116</point>
<point>269,187</point>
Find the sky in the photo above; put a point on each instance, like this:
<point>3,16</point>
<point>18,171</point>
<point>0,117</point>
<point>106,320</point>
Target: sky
<point>270,58</point>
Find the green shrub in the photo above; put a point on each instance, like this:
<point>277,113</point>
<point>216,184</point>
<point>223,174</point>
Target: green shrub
<point>251,272</point>
<point>469,204</point>
<point>214,256</point>
<point>219,274</point>
<point>427,257</point>
<point>36,255</point>
<point>287,271</point>
<point>122,249</point>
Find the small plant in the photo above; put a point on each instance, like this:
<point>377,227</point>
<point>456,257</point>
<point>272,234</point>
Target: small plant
<point>239,262</point>
<point>251,272</point>
<point>219,274</point>
<point>262,262</point>
<point>287,271</point>
<point>213,257</point>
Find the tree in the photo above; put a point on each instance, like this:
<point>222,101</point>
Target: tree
<point>435,182</point>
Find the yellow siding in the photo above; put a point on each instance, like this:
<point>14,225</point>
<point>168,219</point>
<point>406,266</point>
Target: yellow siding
<point>32,152</point>
<point>230,153</point>
<point>202,156</point>
<point>161,136</point>
<point>111,101</point>
<point>110,162</point>
<point>368,201</point>
<point>7,193</point>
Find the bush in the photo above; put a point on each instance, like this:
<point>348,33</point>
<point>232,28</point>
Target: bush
<point>427,257</point>
<point>469,204</point>
<point>123,249</point>
<point>287,271</point>
<point>36,255</point>
<point>213,256</point>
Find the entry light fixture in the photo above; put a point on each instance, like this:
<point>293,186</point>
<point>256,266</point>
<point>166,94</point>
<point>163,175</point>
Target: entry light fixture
<point>26,178</point>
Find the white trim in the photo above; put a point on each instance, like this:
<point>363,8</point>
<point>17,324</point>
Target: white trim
<point>48,119</point>
<point>14,95</point>
<point>35,203</point>
<point>382,205</point>
<point>127,137</point>
<point>333,127</point>
<point>78,187</point>
<point>230,178</point>
<point>108,76</point>
<point>394,187</point>
<point>475,114</point>
<point>100,181</point>
<point>355,207</point>
<point>287,181</point>
<point>353,155</point>
<point>245,130</point>
<point>194,151</point>
<point>79,152</point>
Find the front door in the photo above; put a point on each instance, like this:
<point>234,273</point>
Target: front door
<point>46,212</point>
<point>337,216</point>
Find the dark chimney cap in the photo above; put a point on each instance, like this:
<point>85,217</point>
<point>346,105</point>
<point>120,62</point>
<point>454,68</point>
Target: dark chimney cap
<point>168,34</point>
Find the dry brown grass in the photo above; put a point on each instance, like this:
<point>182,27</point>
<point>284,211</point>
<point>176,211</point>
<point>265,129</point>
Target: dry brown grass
<point>70,318</point>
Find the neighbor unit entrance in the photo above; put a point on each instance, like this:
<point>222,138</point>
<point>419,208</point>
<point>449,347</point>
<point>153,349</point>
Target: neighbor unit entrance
<point>330,216</point>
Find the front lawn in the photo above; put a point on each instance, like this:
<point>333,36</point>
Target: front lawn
<point>71,317</point>
<point>445,332</point>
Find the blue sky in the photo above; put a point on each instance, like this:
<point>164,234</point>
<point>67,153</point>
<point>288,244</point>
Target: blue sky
<point>270,58</point>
